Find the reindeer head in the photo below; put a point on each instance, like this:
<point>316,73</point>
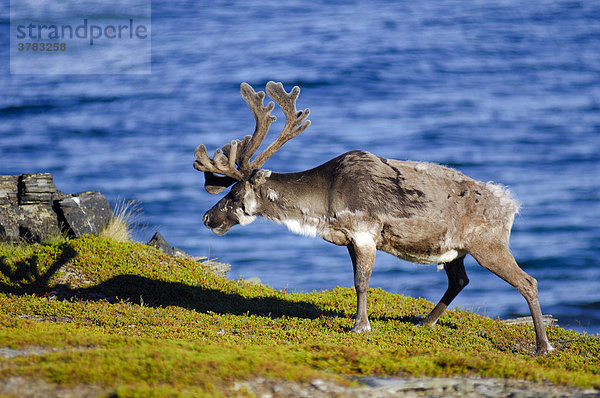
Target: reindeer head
<point>231,164</point>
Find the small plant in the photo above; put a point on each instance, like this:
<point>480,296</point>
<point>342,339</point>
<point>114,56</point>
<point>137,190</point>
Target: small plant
<point>126,216</point>
<point>18,249</point>
<point>56,238</point>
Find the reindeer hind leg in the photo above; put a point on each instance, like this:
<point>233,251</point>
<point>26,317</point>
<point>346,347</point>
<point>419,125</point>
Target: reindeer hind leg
<point>457,280</point>
<point>497,258</point>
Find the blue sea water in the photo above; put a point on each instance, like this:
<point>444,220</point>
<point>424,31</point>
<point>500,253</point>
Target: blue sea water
<point>506,90</point>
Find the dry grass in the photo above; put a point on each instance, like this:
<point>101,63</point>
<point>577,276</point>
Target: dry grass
<point>120,227</point>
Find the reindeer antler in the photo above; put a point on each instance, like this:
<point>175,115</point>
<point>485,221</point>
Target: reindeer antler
<point>222,163</point>
<point>263,117</point>
<point>221,170</point>
<point>295,120</point>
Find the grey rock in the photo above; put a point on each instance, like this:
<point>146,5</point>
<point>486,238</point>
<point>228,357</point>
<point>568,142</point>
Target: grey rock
<point>37,221</point>
<point>32,209</point>
<point>159,242</point>
<point>35,387</point>
<point>219,269</point>
<point>255,280</point>
<point>9,187</point>
<point>548,320</point>
<point>9,222</point>
<point>37,188</point>
<point>26,207</point>
<point>177,252</point>
<point>85,213</point>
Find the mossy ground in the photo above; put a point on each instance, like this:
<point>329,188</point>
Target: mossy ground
<point>126,317</point>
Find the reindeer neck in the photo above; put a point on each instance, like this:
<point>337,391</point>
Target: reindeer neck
<point>294,196</point>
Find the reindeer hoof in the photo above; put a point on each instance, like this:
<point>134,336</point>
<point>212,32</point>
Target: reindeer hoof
<point>544,349</point>
<point>425,321</point>
<point>361,328</point>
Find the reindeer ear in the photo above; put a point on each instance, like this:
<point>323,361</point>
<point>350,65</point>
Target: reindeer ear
<point>259,177</point>
<point>215,183</point>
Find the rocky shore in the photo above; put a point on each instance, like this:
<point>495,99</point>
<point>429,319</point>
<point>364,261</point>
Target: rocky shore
<point>373,387</point>
<point>370,387</point>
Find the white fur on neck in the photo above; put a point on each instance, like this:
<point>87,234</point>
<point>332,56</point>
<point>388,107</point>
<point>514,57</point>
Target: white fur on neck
<point>243,218</point>
<point>301,228</point>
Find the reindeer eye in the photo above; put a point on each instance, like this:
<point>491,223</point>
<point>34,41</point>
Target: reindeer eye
<point>236,195</point>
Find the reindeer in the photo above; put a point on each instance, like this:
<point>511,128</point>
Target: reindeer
<point>417,211</point>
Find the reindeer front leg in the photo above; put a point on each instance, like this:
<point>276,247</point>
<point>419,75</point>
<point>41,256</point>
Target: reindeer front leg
<point>362,251</point>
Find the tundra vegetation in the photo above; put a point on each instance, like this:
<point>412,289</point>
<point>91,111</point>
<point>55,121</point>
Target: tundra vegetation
<point>107,317</point>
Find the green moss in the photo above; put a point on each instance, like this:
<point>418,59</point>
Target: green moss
<point>126,317</point>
